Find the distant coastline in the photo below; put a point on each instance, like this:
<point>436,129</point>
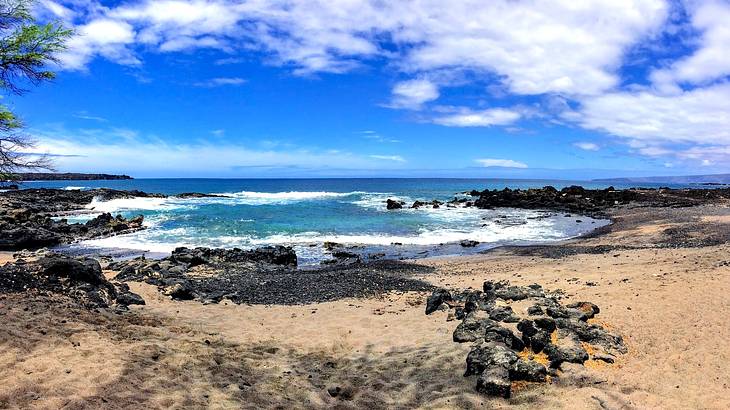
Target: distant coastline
<point>67,176</point>
<point>715,179</point>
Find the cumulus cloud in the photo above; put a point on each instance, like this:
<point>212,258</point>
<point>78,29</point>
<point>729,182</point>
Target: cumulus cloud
<point>696,116</point>
<point>504,163</point>
<point>413,93</point>
<point>575,52</point>
<point>711,59</point>
<point>465,117</point>
<point>531,46</point>
<point>105,37</point>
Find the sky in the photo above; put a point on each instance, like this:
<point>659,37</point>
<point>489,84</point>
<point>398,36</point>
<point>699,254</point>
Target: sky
<point>372,88</point>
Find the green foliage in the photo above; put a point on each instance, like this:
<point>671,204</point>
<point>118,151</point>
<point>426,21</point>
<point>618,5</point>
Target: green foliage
<point>26,50</point>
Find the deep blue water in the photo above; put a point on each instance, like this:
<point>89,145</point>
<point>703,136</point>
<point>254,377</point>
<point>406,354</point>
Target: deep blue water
<point>306,212</point>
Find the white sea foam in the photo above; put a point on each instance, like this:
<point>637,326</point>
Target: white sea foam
<point>138,204</point>
<point>230,198</point>
<point>74,188</point>
<point>279,198</point>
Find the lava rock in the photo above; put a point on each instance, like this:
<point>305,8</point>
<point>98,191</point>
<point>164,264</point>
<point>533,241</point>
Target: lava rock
<point>469,243</point>
<point>437,298</point>
<point>528,370</point>
<point>495,382</point>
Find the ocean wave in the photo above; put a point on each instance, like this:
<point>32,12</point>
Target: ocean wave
<point>138,204</point>
<point>226,198</point>
<point>75,188</point>
<point>277,198</point>
<point>377,200</point>
<point>167,240</point>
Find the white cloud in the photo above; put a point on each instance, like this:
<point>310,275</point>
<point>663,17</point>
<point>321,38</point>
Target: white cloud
<point>654,151</point>
<point>531,46</point>
<point>701,115</point>
<point>504,163</point>
<point>396,158</point>
<point>566,50</point>
<point>464,117</point>
<point>413,93</point>
<point>221,81</point>
<point>711,60</point>
<point>105,37</point>
<point>587,146</point>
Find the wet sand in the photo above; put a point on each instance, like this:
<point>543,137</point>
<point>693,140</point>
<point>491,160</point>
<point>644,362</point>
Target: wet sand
<point>661,278</point>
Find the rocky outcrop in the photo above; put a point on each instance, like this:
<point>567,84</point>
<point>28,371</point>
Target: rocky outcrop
<point>576,199</point>
<point>24,229</point>
<point>198,195</point>
<point>547,334</point>
<point>79,278</point>
<point>26,216</point>
<point>263,276</point>
<point>593,201</point>
<point>391,204</point>
<point>175,275</point>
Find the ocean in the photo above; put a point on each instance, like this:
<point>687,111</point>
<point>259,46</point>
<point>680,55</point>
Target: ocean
<point>304,213</point>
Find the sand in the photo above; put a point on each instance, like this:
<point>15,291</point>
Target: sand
<point>671,306</point>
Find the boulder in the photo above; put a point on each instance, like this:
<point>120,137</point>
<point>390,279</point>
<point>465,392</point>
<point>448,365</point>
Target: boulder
<point>81,270</point>
<point>394,204</point>
<point>495,382</point>
<point>527,370</point>
<point>437,298</point>
<point>473,328</point>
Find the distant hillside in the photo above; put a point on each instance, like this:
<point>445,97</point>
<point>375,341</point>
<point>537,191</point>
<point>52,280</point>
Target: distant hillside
<point>43,176</point>
<point>689,179</point>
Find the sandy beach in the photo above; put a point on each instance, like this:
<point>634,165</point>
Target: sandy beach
<point>668,301</point>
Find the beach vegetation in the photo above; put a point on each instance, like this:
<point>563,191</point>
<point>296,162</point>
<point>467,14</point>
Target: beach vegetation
<point>28,52</point>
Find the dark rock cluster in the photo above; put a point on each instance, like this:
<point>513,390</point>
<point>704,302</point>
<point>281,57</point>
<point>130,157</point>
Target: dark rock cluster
<point>394,204</point>
<point>523,334</point>
<point>26,216</point>
<point>172,276</point>
<point>593,201</point>
<point>80,278</point>
<point>576,199</point>
<point>262,276</point>
<point>23,229</point>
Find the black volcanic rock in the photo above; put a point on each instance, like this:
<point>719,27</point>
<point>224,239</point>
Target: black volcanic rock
<point>79,278</point>
<point>246,276</point>
<point>591,202</point>
<point>393,204</point>
<point>500,356</point>
<point>199,195</point>
<point>26,217</point>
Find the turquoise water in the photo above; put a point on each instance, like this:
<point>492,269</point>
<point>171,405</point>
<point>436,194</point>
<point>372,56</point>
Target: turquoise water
<point>306,212</point>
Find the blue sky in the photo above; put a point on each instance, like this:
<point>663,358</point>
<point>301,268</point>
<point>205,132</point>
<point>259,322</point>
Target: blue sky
<point>365,88</point>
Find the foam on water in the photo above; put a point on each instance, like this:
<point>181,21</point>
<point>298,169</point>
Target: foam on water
<point>305,219</point>
<point>278,198</point>
<point>139,204</point>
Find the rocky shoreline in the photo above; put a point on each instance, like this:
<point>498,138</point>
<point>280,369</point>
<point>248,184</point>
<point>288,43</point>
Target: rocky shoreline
<point>522,323</point>
<point>269,275</point>
<point>34,218</point>
<point>576,199</point>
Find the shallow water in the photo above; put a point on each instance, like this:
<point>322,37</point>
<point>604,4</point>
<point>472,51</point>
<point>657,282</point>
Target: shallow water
<point>305,213</point>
